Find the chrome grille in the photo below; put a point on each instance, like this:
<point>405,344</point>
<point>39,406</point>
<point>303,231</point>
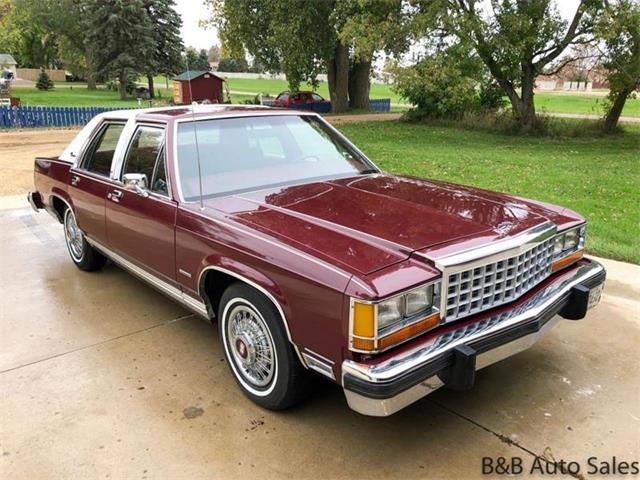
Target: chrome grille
<point>487,286</point>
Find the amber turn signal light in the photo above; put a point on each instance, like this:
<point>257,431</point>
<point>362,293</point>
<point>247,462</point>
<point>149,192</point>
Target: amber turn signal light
<point>363,344</point>
<point>364,320</point>
<point>409,331</point>
<point>566,261</point>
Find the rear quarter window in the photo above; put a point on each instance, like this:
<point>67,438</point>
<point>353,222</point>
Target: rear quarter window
<point>99,156</point>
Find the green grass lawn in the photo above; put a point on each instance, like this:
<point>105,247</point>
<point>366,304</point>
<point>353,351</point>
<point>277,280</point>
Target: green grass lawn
<point>76,94</point>
<point>592,105</point>
<point>595,176</point>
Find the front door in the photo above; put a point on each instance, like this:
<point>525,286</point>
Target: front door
<point>141,225</point>
<point>90,181</point>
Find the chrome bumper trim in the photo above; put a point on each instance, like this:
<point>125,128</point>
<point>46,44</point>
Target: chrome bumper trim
<point>32,202</point>
<point>491,336</point>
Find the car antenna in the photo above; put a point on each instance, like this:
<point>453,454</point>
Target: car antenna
<point>195,132</point>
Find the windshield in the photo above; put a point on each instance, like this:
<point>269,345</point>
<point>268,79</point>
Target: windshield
<point>249,153</point>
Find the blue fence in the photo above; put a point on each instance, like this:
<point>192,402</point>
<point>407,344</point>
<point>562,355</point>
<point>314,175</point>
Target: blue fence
<point>378,105</point>
<point>26,117</point>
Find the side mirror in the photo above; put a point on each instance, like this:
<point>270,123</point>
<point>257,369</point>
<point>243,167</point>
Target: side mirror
<point>137,182</point>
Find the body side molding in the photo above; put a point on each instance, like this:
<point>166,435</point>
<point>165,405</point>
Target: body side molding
<point>176,294</point>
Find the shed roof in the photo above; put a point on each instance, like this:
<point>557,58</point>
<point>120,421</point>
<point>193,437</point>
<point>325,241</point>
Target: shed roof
<point>6,59</point>
<point>192,74</point>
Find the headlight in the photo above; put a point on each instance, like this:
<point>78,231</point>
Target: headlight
<point>418,300</point>
<point>389,312</point>
<point>379,325</point>
<point>571,240</point>
<point>568,247</point>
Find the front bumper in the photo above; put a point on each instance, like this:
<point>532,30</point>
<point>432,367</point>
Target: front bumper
<point>452,356</point>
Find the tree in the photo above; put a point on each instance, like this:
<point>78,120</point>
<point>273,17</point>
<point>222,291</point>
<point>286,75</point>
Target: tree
<point>203,60</point>
<point>275,38</point>
<point>370,26</point>
<point>190,58</point>
<point>71,19</point>
<point>121,36</point>
<point>620,29</point>
<point>44,82</point>
<point>196,60</point>
<point>338,37</point>
<point>214,53</point>
<point>232,65</point>
<point>25,34</point>
<point>515,39</point>
<point>166,55</point>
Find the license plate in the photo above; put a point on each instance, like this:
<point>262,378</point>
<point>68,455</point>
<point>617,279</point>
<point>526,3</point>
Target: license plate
<point>594,296</point>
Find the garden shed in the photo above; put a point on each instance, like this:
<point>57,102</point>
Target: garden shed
<point>197,86</point>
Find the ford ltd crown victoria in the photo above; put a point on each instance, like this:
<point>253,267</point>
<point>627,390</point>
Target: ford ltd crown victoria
<point>310,258</point>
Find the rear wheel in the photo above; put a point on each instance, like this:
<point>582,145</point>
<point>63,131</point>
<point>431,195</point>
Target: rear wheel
<point>83,255</point>
<point>258,351</point>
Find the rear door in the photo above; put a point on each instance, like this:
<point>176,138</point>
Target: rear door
<point>90,182</point>
<point>141,227</point>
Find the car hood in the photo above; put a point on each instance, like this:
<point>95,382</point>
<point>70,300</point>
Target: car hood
<point>366,223</point>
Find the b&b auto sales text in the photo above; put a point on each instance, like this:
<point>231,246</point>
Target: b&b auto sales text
<point>592,466</point>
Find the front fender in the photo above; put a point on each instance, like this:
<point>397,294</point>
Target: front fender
<point>244,273</point>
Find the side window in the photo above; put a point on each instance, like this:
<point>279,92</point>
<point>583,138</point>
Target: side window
<point>144,155</point>
<point>317,98</point>
<point>159,181</point>
<point>100,154</point>
<point>283,96</point>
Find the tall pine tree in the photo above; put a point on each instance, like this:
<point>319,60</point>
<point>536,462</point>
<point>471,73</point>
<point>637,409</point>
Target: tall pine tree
<point>122,35</point>
<point>165,58</point>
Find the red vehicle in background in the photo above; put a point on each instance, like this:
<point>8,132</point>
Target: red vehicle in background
<point>287,98</point>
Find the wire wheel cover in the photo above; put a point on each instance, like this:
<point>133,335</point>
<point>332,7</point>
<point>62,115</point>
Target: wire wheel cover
<point>251,346</point>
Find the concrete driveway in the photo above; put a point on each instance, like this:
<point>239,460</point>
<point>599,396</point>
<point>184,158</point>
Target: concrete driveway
<point>102,377</point>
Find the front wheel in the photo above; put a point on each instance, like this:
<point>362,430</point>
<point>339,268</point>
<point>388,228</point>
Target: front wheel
<point>84,256</point>
<point>256,347</point>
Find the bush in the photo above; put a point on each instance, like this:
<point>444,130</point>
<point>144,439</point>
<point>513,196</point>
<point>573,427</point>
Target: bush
<point>447,84</point>
<point>44,82</point>
<point>491,96</point>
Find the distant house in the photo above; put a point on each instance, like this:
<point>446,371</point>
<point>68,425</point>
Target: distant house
<point>574,78</point>
<point>7,62</point>
<point>197,86</point>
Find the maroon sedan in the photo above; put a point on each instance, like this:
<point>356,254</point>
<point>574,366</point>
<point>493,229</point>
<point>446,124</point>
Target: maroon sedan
<point>309,257</point>
<point>286,98</point>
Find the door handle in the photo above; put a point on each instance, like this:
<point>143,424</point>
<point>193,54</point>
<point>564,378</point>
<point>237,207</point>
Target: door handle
<point>115,196</point>
<point>75,180</point>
